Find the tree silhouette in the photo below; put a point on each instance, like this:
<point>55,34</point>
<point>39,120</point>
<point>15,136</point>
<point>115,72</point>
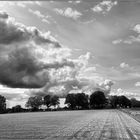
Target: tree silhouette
<point>135,103</point>
<point>81,100</point>
<point>71,101</point>
<point>47,100</point>
<point>113,101</point>
<point>124,102</point>
<point>2,104</point>
<point>34,102</point>
<point>55,100</point>
<point>17,108</point>
<point>120,101</point>
<point>97,99</point>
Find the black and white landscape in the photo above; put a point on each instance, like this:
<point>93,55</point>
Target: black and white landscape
<point>70,70</point>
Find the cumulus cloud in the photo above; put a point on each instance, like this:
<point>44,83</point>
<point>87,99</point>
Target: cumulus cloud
<point>118,41</point>
<point>129,40</point>
<point>40,15</point>
<point>133,38</point>
<point>120,92</point>
<point>32,59</point>
<point>73,80</point>
<point>137,28</point>
<point>37,13</point>
<point>66,78</point>
<point>137,84</point>
<point>124,65</point>
<point>68,12</point>
<point>106,86</point>
<point>104,6</point>
<point>26,54</point>
<point>13,32</point>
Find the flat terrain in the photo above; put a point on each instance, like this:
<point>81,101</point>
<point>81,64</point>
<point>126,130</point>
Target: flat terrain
<point>90,124</point>
<point>134,112</point>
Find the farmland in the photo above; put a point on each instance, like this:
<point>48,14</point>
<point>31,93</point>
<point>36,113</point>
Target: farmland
<point>133,112</point>
<point>90,124</point>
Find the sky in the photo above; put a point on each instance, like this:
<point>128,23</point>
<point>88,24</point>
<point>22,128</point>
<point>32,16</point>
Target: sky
<point>61,47</point>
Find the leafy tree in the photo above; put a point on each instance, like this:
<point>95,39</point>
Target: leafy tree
<point>120,101</point>
<point>81,100</point>
<point>47,100</point>
<point>34,102</point>
<point>71,101</point>
<point>17,108</point>
<point>2,104</point>
<point>135,103</point>
<point>124,101</point>
<point>97,99</point>
<point>55,100</point>
<point>113,101</point>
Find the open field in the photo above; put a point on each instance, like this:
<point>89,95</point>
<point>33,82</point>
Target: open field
<point>90,124</point>
<point>134,112</point>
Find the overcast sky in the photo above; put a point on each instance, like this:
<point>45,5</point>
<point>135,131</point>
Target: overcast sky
<point>99,39</point>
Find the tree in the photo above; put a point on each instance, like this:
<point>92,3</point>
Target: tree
<point>47,100</point>
<point>113,101</point>
<point>2,104</point>
<point>124,102</point>
<point>82,100</point>
<point>135,103</point>
<point>120,101</point>
<point>17,108</point>
<point>34,102</point>
<point>71,101</point>
<point>54,100</point>
<point>97,99</point>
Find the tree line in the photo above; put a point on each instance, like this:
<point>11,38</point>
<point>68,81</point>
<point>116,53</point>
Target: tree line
<point>97,100</point>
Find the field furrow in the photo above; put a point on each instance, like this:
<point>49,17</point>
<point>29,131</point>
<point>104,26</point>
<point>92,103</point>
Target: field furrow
<point>72,125</point>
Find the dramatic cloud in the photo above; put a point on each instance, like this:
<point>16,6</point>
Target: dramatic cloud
<point>104,6</point>
<point>73,80</point>
<point>68,12</point>
<point>32,59</point>
<point>65,79</point>
<point>26,54</point>
<point>13,32</point>
<point>106,85</point>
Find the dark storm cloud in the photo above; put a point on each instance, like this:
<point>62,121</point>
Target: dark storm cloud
<point>23,54</point>
<point>32,59</point>
<point>3,15</point>
<point>12,32</point>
